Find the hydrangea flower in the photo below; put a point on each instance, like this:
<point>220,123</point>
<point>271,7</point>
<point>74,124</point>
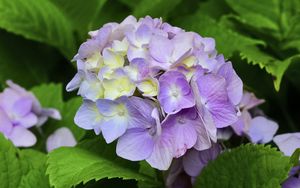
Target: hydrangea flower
<point>19,111</point>
<point>61,137</point>
<point>155,88</point>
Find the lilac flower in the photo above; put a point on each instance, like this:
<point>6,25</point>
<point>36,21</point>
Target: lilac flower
<point>175,92</point>
<point>19,111</point>
<point>61,137</point>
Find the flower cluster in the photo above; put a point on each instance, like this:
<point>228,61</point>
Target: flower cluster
<point>19,111</point>
<point>156,88</point>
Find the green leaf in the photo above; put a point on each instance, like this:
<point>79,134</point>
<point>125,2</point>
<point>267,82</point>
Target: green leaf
<point>24,61</point>
<point>273,66</point>
<point>132,4</point>
<point>21,169</point>
<point>11,166</point>
<point>258,14</point>
<point>227,41</point>
<point>155,8</point>
<point>50,96</point>
<point>248,166</point>
<point>214,8</point>
<point>294,159</point>
<point>68,113</point>
<point>146,169</point>
<point>77,165</point>
<point>80,13</point>
<point>38,20</point>
<point>114,12</point>
<point>274,17</point>
<point>36,176</point>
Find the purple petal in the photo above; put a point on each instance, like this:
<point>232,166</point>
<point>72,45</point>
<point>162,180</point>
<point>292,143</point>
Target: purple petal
<point>51,112</point>
<point>213,93</point>
<point>183,43</point>
<point>194,161</point>
<point>107,107</point>
<point>75,82</point>
<point>185,138</point>
<point>242,125</point>
<point>143,34</point>
<point>161,48</point>
<point>205,134</point>
<point>262,130</point>
<point>88,116</point>
<point>61,137</point>
<point>21,137</point>
<point>135,145</point>
<point>22,106</point>
<point>162,154</point>
<point>5,123</point>
<point>171,30</point>
<point>46,113</point>
<point>206,128</point>
<point>94,45</point>
<point>291,182</point>
<point>28,121</point>
<point>175,92</point>
<point>209,44</point>
<point>113,128</point>
<point>233,82</point>
<point>183,130</point>
<point>91,88</point>
<point>288,143</point>
<point>249,101</point>
<point>140,112</point>
<point>7,99</point>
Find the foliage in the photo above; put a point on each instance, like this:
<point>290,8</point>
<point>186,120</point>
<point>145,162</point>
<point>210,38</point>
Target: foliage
<point>78,165</point>
<point>21,168</point>
<point>236,168</point>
